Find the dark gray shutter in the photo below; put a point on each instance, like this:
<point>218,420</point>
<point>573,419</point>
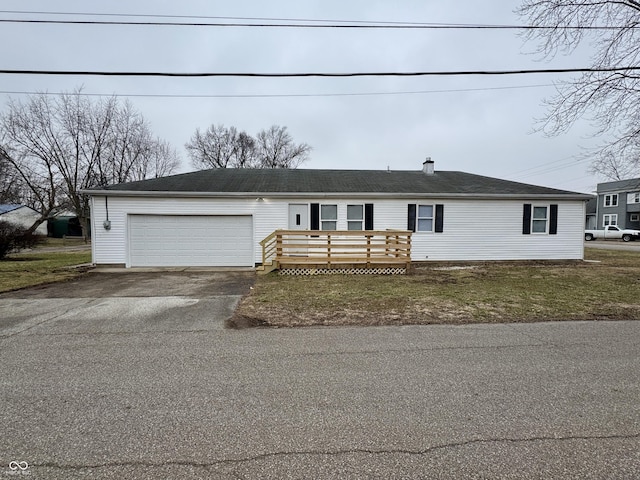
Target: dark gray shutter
<point>315,216</point>
<point>526,219</point>
<point>411,217</point>
<point>553,219</point>
<point>368,216</point>
<point>439,226</point>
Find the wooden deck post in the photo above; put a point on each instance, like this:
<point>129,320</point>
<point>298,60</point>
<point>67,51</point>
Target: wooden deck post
<point>278,246</point>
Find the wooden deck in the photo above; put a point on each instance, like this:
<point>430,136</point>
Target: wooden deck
<point>336,249</point>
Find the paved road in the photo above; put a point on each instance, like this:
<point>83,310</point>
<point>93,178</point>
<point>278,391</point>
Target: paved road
<point>144,382</point>
<point>614,245</point>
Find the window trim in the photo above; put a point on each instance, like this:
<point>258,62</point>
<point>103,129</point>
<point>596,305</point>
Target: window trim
<point>322,219</point>
<point>354,220</point>
<point>546,219</point>
<point>633,198</point>
<point>612,198</point>
<point>611,216</point>
<point>634,217</point>
<point>432,217</point>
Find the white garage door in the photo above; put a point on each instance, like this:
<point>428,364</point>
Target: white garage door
<point>190,241</point>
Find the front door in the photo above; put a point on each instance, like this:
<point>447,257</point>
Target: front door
<point>298,216</point>
<point>298,220</point>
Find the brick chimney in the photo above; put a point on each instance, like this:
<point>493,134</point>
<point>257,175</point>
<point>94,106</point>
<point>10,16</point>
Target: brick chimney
<point>427,166</point>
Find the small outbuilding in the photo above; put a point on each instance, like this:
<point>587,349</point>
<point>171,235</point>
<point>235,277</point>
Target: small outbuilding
<point>219,217</point>
<point>22,216</point>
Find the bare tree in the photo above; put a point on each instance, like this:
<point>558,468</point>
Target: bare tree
<point>160,160</point>
<point>10,191</point>
<point>218,147</point>
<point>222,147</point>
<point>611,100</point>
<point>276,149</point>
<point>61,145</point>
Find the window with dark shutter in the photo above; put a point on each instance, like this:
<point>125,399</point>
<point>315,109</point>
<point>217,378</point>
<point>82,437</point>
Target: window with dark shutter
<point>553,219</point>
<point>439,224</point>
<point>315,216</point>
<point>411,217</point>
<point>368,216</point>
<point>526,219</point>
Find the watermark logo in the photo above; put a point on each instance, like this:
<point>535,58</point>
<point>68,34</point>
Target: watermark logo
<point>18,468</point>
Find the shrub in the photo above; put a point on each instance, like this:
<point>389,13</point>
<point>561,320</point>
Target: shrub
<point>14,238</point>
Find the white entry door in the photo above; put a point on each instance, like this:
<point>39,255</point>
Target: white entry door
<point>298,220</point>
<point>298,216</point>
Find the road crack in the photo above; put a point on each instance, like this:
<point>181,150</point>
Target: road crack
<point>365,451</point>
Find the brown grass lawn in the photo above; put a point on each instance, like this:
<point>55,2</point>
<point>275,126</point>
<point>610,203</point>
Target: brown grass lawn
<point>30,269</point>
<point>475,293</point>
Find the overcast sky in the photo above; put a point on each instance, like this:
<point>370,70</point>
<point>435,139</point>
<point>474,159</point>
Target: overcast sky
<point>480,125</point>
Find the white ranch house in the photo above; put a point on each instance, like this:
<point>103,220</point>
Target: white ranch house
<point>219,217</point>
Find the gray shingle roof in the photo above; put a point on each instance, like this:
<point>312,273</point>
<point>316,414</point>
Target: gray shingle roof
<point>304,181</point>
<point>630,184</point>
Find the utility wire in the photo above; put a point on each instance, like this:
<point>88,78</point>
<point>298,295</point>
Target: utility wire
<point>291,22</point>
<point>276,95</point>
<point>314,74</point>
<point>299,25</point>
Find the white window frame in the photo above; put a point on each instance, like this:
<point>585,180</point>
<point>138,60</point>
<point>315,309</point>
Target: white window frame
<point>544,219</point>
<point>327,219</point>
<point>611,218</point>
<point>611,200</point>
<point>633,197</point>
<point>354,223</point>
<point>431,218</point>
<point>634,217</point>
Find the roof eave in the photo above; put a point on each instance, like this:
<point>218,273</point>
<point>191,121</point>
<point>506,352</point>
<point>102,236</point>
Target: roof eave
<point>470,196</point>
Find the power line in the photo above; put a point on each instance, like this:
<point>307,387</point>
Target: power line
<point>297,25</point>
<point>300,25</point>
<point>277,95</point>
<point>291,22</point>
<point>314,74</point>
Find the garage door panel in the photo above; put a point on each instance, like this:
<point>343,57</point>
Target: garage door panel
<point>183,240</point>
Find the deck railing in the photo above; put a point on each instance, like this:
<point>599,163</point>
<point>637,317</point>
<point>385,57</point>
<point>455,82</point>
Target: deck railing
<point>337,247</point>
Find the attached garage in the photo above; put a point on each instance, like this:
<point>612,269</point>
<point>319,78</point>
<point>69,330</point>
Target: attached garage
<point>190,240</point>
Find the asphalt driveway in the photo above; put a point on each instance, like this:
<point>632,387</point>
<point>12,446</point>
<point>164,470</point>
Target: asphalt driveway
<point>133,376</point>
<point>126,302</point>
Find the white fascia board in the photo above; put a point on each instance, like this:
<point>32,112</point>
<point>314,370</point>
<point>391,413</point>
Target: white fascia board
<point>466,196</point>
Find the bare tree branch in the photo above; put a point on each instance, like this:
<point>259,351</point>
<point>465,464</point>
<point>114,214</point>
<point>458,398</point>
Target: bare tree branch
<point>59,146</point>
<point>222,147</point>
<point>611,101</point>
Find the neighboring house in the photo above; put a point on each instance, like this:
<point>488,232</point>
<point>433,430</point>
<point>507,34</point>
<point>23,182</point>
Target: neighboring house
<point>619,204</point>
<point>218,217</point>
<point>23,216</point>
<point>591,219</point>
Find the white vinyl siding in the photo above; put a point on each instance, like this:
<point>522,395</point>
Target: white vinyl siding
<point>467,236</point>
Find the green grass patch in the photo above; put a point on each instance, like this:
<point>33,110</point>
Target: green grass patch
<point>479,292</point>
<point>30,269</point>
